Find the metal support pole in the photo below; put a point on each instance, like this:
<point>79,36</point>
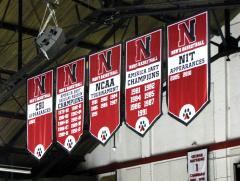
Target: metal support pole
<point>136,26</point>
<point>227,29</point>
<point>227,26</point>
<point>219,28</point>
<point>20,4</point>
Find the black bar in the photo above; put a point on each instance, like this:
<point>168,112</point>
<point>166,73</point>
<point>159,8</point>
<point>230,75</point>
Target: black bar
<point>78,14</point>
<point>20,6</point>
<point>160,8</point>
<point>227,26</point>
<point>15,27</point>
<point>116,26</point>
<point>6,9</point>
<point>219,28</point>
<point>136,26</point>
<point>13,150</point>
<point>85,5</point>
<point>8,72</point>
<point>12,115</point>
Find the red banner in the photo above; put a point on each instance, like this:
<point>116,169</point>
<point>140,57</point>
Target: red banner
<point>39,113</point>
<point>104,92</point>
<point>188,67</point>
<point>143,81</point>
<point>70,103</point>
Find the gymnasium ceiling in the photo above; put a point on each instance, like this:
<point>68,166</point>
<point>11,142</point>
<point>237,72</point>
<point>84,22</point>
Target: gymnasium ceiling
<point>89,25</point>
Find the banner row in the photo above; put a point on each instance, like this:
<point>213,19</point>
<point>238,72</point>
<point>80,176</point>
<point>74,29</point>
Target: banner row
<point>187,87</point>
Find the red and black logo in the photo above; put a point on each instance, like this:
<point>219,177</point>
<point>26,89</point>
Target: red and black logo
<point>70,74</point>
<point>187,32</point>
<point>143,50</point>
<point>39,85</point>
<point>104,62</point>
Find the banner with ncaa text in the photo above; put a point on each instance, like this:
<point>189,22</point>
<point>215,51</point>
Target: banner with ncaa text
<point>104,92</point>
<point>197,165</point>
<point>70,103</point>
<point>39,113</point>
<point>188,67</point>
<point>143,81</point>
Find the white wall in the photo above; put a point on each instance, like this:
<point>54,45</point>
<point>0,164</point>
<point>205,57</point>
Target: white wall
<point>219,121</point>
<point>220,168</point>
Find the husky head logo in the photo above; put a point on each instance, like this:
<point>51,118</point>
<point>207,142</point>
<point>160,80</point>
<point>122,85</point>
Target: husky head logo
<point>39,151</point>
<point>103,134</point>
<point>142,125</point>
<point>187,112</point>
<point>70,142</point>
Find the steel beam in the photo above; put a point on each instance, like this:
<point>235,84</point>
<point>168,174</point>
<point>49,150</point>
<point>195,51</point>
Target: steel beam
<point>12,115</point>
<point>225,53</point>
<point>115,27</point>
<point>8,72</point>
<point>20,33</point>
<point>6,149</point>
<point>160,8</point>
<point>6,10</point>
<point>89,46</point>
<point>227,26</point>
<point>136,26</point>
<point>34,33</point>
<point>219,28</point>
<point>229,44</point>
<point>84,5</point>
<point>15,27</point>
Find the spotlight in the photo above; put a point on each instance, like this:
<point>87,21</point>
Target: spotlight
<point>50,41</point>
<point>50,38</point>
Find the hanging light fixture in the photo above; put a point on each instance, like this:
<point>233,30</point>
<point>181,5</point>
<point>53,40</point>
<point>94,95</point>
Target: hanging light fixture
<point>50,38</point>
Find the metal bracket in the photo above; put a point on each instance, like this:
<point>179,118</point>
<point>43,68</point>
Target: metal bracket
<point>229,44</point>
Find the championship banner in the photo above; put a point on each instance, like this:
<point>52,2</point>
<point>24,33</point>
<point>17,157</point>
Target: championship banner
<point>188,67</point>
<point>39,113</point>
<point>104,92</point>
<point>70,103</point>
<point>197,165</point>
<point>143,81</point>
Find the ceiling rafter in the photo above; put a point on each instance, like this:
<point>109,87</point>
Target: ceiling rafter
<point>159,8</point>
<point>6,10</point>
<point>10,150</point>
<point>34,33</point>
<point>8,72</point>
<point>12,115</point>
<point>85,5</point>
<point>163,18</point>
